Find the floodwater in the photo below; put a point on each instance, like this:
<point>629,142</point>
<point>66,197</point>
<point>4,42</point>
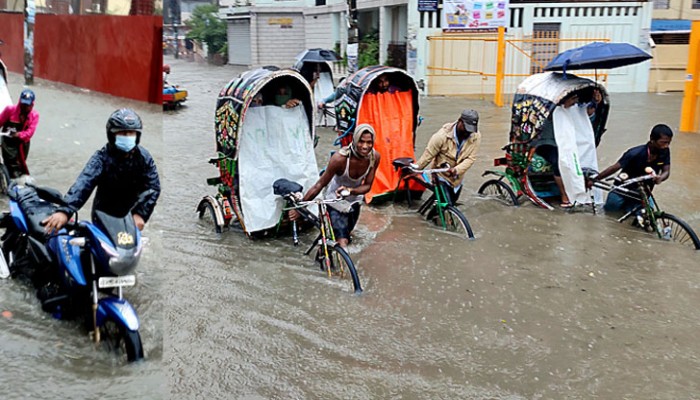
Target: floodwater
<point>542,305</point>
<point>44,358</point>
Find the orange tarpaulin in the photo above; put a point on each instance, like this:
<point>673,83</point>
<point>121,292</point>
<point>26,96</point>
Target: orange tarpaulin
<point>391,115</point>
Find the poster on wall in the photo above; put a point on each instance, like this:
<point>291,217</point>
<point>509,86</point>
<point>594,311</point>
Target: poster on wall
<point>474,15</point>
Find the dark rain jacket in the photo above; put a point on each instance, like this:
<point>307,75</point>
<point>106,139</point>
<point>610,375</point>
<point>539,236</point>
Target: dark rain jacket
<point>120,178</point>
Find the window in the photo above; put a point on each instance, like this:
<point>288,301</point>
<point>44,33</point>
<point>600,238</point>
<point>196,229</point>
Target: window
<point>320,2</point>
<point>661,4</point>
<point>696,4</point>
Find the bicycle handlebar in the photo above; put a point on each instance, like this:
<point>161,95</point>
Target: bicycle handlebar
<point>413,169</point>
<point>302,204</point>
<point>627,182</point>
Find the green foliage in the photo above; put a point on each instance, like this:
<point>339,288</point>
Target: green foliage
<point>205,26</point>
<point>368,52</point>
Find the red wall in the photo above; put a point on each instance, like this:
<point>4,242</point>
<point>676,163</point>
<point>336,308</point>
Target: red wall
<point>118,55</point>
<point>12,33</point>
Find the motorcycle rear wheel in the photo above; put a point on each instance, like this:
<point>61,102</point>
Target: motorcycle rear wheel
<point>124,343</point>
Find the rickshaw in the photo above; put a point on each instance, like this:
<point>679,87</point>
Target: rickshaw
<point>394,116</point>
<point>526,172</point>
<point>313,65</point>
<point>258,142</point>
<point>265,157</point>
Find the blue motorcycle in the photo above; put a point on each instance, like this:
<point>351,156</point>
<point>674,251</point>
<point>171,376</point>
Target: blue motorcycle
<point>80,271</point>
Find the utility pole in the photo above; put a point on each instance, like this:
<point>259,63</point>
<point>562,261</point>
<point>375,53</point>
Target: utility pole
<point>174,23</point>
<point>352,52</point>
<point>29,12</point>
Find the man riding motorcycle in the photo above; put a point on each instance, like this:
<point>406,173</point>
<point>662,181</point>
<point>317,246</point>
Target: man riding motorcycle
<point>120,170</point>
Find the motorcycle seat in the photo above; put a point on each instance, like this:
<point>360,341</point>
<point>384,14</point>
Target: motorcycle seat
<point>34,209</point>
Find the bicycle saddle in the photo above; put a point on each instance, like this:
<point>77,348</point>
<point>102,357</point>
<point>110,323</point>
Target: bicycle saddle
<point>402,162</point>
<point>283,187</point>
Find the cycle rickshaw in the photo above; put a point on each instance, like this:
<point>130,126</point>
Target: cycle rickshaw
<point>313,65</point>
<point>259,143</point>
<point>527,173</point>
<point>392,111</point>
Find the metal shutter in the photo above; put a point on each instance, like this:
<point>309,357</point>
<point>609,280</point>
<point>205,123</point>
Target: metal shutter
<point>239,42</point>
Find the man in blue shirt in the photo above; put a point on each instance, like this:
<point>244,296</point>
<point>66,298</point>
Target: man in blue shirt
<point>655,154</point>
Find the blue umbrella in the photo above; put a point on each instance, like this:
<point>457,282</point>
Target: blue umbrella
<point>598,55</point>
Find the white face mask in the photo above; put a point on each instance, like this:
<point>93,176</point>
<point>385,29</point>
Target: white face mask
<point>125,143</point>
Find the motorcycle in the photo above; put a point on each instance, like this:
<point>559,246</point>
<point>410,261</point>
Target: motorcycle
<point>78,269</point>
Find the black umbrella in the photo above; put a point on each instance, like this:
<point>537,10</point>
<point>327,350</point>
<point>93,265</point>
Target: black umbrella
<point>317,55</point>
<point>598,55</point>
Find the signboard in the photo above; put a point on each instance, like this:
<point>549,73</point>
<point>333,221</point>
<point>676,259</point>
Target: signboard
<point>427,5</point>
<point>282,22</point>
<point>474,15</point>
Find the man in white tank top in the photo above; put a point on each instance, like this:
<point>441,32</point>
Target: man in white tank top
<point>351,168</point>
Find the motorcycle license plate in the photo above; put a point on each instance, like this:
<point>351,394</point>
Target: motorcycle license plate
<point>116,281</point>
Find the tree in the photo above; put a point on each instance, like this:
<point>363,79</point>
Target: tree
<point>205,26</point>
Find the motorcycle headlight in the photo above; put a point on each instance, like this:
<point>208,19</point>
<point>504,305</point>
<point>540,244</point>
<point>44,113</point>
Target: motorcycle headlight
<point>125,262</point>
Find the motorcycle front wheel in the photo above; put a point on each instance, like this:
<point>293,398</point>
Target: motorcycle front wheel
<point>124,343</point>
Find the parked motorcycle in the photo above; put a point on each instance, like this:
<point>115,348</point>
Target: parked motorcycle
<point>80,271</point>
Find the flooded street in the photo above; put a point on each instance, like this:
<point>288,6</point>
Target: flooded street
<point>44,358</point>
<point>543,304</point>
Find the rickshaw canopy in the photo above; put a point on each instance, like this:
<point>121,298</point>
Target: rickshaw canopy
<point>393,113</point>
<point>258,142</point>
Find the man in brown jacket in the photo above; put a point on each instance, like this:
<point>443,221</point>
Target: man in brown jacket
<point>456,144</point>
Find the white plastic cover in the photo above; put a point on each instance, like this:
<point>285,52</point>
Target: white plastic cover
<point>275,143</point>
<point>322,89</point>
<point>5,99</point>
<point>576,143</point>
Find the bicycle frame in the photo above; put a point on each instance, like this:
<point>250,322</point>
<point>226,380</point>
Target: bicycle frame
<point>442,200</point>
<point>642,194</point>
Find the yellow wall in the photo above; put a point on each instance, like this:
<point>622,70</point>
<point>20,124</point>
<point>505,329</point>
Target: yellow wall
<point>677,9</point>
<point>667,70</point>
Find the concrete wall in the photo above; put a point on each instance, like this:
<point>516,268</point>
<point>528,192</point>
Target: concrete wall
<point>667,73</point>
<point>278,44</point>
<point>677,9</point>
<point>319,31</point>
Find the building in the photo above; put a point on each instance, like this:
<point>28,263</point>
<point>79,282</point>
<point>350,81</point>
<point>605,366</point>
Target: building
<point>272,32</point>
<point>670,32</point>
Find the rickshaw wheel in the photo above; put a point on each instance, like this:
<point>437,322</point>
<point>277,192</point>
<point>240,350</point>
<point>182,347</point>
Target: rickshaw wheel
<point>677,231</point>
<point>207,214</point>
<point>499,190</point>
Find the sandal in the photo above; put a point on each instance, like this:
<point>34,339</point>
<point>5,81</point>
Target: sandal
<point>566,205</point>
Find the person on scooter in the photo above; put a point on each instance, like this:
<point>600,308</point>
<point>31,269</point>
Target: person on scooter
<point>121,170</point>
<point>20,122</point>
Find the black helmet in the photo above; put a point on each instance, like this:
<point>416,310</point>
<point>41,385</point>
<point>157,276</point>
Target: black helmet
<point>124,119</point>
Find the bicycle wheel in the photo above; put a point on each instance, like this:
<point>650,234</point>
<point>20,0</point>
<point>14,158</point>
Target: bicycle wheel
<point>676,230</point>
<point>341,266</point>
<point>499,190</point>
<point>455,222</point>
